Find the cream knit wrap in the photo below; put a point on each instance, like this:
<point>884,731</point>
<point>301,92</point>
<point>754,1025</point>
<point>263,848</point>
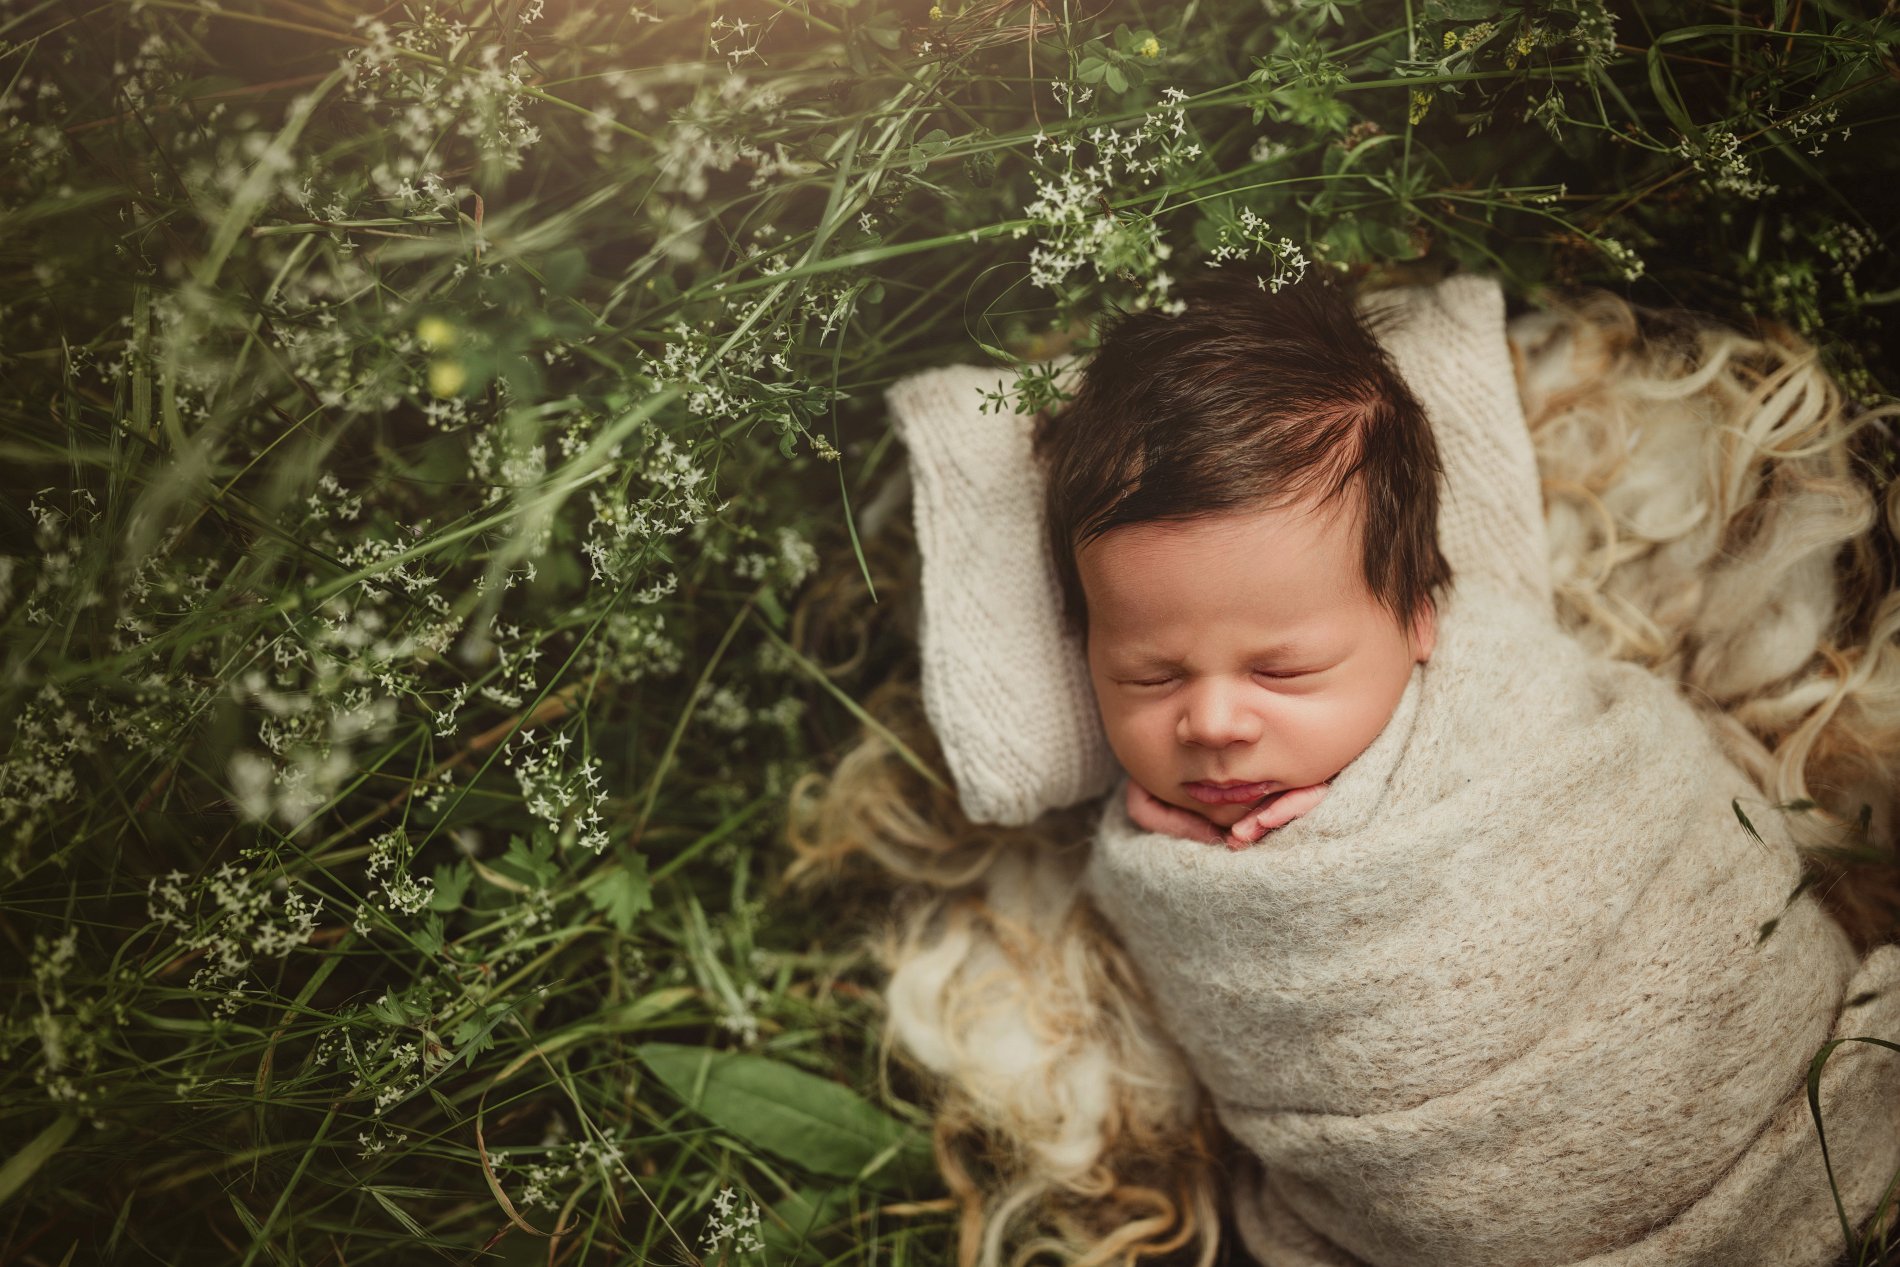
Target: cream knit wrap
<point>1501,997</point>
<point>1504,997</point>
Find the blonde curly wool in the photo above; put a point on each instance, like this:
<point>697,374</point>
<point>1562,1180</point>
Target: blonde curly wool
<point>1010,994</point>
<point>1704,519</point>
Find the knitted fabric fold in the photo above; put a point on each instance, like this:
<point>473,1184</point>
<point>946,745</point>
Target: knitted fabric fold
<point>1006,688</point>
<point>1503,998</point>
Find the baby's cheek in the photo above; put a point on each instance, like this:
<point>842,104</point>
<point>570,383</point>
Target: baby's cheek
<point>1144,746</point>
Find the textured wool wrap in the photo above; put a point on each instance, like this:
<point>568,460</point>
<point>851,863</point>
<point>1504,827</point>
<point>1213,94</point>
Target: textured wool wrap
<point>1503,997</point>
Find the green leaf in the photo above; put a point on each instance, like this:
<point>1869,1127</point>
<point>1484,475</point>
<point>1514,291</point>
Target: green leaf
<point>1345,240</point>
<point>477,1034</point>
<point>623,892</point>
<point>451,882</point>
<point>1388,240</point>
<point>393,1009</point>
<point>529,863</point>
<point>793,1222</point>
<point>20,1167</point>
<point>1116,80</point>
<point>818,1124</point>
<point>768,602</point>
<point>401,1215</point>
<point>1664,86</point>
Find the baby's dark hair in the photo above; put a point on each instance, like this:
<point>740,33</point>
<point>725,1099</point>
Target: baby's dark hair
<point>1245,400</point>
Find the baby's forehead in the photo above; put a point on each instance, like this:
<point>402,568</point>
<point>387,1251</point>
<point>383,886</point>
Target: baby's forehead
<point>1222,575</point>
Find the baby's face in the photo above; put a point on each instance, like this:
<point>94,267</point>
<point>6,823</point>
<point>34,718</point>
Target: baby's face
<point>1243,650</point>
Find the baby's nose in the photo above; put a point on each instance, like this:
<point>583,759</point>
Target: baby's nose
<point>1215,716</point>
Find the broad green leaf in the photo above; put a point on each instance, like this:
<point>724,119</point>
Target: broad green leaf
<point>563,270</point>
<point>822,1126</point>
<point>796,1220</point>
<point>1663,84</point>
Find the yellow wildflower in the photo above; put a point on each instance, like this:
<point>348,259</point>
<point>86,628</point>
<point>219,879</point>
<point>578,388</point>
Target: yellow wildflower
<point>446,378</point>
<point>436,333</point>
<point>1150,47</point>
<point>1523,44</point>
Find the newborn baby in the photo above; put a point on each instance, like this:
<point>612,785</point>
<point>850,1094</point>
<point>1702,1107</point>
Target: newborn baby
<point>1254,600</point>
<point>1511,984</point>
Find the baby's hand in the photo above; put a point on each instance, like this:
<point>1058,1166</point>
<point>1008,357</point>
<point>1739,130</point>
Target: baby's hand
<point>1154,815</point>
<point>1278,812</point>
<point>1151,814</point>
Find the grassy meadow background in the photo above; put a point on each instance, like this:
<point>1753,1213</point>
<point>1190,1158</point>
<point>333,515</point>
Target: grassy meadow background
<point>446,477</point>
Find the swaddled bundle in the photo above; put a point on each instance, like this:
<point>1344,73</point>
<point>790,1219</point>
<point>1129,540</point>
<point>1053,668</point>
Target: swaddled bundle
<point>1505,996</point>
<point>1524,988</point>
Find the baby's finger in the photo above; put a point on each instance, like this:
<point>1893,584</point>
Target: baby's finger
<point>1284,809</point>
<point>1295,803</point>
<point>1150,813</point>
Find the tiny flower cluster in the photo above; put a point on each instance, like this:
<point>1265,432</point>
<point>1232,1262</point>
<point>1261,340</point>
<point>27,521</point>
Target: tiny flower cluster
<point>389,859</point>
<point>1627,261</point>
<point>1076,225</point>
<point>1728,168</point>
<point>232,919</point>
<point>559,792</point>
<point>1251,237</point>
<point>735,1222</point>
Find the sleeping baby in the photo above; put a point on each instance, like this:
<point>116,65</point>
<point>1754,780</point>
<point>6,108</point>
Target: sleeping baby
<point>1459,924</point>
<point>1252,565</point>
